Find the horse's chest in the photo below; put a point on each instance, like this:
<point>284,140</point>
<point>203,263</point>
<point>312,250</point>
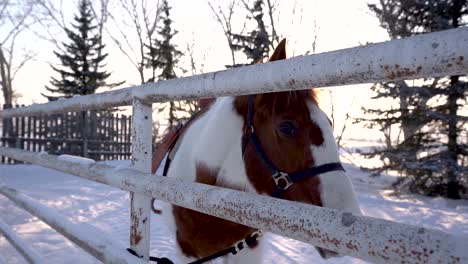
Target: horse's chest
<point>210,154</point>
<point>200,235</point>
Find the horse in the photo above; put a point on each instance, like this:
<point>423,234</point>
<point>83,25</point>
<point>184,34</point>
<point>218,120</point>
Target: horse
<point>279,144</point>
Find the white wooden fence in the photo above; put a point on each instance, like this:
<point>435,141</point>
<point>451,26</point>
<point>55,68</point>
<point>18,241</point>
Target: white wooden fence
<point>431,55</point>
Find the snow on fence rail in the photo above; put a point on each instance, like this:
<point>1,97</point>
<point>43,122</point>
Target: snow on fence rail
<point>24,249</point>
<point>88,238</point>
<point>431,55</point>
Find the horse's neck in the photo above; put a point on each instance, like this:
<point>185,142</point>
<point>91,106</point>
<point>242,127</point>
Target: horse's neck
<point>210,153</point>
<point>218,145</point>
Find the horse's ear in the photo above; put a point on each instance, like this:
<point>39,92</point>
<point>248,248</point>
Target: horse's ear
<point>269,98</point>
<point>280,51</point>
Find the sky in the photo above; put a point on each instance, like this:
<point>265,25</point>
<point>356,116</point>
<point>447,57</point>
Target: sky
<point>336,24</point>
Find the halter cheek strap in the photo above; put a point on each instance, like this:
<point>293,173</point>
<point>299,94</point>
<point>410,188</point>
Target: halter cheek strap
<point>282,179</point>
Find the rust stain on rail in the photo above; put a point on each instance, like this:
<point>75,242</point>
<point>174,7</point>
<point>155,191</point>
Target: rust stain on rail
<point>135,234</point>
<point>393,72</point>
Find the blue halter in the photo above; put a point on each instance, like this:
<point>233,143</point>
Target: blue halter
<point>282,179</point>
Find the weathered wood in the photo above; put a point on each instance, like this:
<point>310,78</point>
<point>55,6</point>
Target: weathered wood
<point>34,132</point>
<point>22,132</point>
<point>98,134</point>
<point>28,135</point>
<point>124,125</point>
<point>111,136</point>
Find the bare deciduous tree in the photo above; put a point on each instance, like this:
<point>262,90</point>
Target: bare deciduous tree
<point>260,38</point>
<point>50,22</point>
<point>271,10</point>
<point>131,20</point>
<point>225,20</point>
<point>14,20</point>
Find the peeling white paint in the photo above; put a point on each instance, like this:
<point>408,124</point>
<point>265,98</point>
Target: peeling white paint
<point>408,58</point>
<point>367,238</point>
<point>140,205</point>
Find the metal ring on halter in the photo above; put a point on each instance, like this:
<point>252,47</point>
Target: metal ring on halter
<point>250,129</point>
<point>239,245</point>
<point>282,180</point>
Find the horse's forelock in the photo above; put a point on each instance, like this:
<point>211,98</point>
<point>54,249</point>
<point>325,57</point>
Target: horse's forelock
<point>286,99</point>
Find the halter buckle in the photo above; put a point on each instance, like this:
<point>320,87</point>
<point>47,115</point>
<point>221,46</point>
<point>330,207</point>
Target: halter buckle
<point>282,180</point>
<point>249,130</point>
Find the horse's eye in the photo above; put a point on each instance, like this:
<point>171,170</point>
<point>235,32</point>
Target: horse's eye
<point>287,128</point>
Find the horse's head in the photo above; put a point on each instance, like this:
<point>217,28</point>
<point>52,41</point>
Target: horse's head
<point>289,149</point>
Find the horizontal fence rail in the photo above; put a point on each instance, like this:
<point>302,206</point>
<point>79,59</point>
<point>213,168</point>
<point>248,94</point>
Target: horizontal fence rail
<point>24,249</point>
<point>430,55</point>
<point>437,54</point>
<point>367,238</point>
<point>88,238</point>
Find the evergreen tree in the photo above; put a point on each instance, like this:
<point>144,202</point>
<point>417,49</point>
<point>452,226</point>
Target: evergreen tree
<point>257,43</point>
<point>81,62</point>
<point>164,55</point>
<point>81,59</point>
<point>431,152</point>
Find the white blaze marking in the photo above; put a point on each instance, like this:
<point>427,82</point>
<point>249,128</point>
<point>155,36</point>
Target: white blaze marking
<point>336,189</point>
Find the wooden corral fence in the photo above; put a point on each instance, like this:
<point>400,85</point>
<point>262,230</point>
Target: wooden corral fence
<point>99,135</point>
<point>376,240</point>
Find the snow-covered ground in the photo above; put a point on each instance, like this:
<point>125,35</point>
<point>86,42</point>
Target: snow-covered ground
<point>107,208</point>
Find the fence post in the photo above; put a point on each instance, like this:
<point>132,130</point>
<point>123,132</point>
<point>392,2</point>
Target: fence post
<point>18,143</point>
<point>140,208</point>
<point>85,129</point>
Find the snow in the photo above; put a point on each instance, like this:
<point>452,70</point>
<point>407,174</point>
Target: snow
<point>87,235</point>
<point>77,159</point>
<point>107,209</point>
<point>22,246</point>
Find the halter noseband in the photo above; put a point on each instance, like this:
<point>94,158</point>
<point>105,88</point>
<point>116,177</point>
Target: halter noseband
<point>282,179</point>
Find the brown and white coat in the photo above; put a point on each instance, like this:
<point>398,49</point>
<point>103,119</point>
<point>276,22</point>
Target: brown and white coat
<point>210,153</point>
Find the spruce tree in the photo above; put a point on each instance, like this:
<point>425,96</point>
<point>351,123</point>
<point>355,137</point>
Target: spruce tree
<point>81,59</point>
<point>164,56</point>
<point>81,62</point>
<point>257,43</point>
<point>431,149</point>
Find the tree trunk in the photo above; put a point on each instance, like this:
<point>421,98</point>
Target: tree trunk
<point>5,77</point>
<point>452,185</point>
<point>172,117</point>
<point>409,126</point>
